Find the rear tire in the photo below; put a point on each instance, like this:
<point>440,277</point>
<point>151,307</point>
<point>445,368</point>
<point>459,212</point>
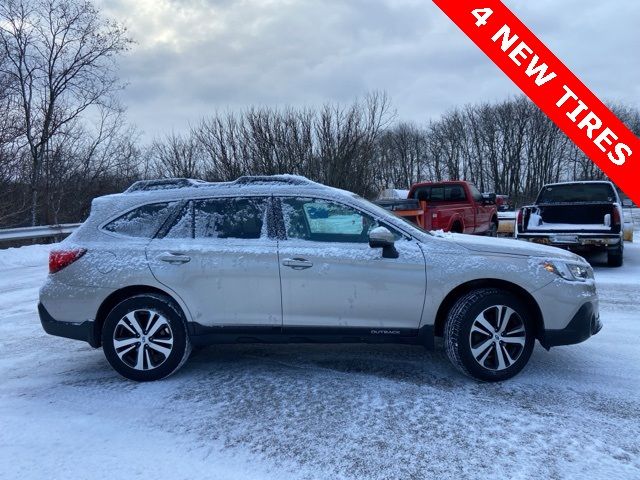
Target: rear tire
<point>456,228</point>
<point>615,257</point>
<point>145,338</point>
<point>489,335</point>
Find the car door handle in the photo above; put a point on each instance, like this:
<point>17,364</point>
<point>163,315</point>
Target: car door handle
<point>297,263</point>
<point>174,258</point>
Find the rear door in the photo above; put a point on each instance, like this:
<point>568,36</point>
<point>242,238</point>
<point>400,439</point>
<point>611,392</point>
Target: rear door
<point>219,258</point>
<point>332,278</point>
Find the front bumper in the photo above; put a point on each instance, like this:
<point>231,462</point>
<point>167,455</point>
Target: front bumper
<point>77,331</point>
<point>585,323</point>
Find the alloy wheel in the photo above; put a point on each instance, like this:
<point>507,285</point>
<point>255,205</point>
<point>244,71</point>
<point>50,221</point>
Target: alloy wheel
<point>497,337</point>
<point>143,339</point>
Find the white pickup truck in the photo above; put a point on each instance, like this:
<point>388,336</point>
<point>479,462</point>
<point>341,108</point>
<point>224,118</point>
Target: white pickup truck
<point>577,216</point>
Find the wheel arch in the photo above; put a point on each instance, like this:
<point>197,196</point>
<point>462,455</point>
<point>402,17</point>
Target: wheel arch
<point>460,290</point>
<point>456,220</point>
<point>120,295</point>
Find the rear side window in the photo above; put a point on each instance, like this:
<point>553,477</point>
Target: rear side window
<point>437,194</point>
<point>182,226</point>
<point>141,222</point>
<point>441,193</point>
<point>242,218</point>
<point>229,217</point>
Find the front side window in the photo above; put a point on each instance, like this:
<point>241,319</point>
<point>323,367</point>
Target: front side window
<point>141,222</point>
<point>325,221</point>
<point>475,193</point>
<point>454,193</point>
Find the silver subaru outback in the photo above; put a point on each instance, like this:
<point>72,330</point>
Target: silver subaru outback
<point>171,264</point>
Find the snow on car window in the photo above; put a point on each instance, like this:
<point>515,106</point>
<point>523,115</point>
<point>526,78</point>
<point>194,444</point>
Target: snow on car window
<point>141,222</point>
<point>229,218</point>
<point>183,224</point>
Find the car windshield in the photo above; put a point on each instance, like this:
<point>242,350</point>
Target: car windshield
<point>385,213</point>
<point>576,193</point>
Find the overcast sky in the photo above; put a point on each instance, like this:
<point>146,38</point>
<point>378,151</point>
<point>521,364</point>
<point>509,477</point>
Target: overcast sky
<point>195,57</point>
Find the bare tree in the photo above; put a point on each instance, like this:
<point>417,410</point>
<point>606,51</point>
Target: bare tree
<point>59,58</point>
<point>177,156</point>
<point>80,160</point>
<point>335,144</point>
<point>346,139</point>
<point>403,156</point>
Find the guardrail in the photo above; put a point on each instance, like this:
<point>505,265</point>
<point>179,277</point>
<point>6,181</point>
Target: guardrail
<point>44,231</point>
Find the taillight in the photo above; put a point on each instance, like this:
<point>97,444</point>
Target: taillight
<point>59,259</point>
<point>520,219</point>
<point>615,218</point>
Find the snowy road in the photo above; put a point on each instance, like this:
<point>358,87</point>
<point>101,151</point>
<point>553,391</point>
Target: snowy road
<point>374,412</point>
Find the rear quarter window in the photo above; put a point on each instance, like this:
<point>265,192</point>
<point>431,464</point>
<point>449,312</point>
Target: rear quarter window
<point>141,222</point>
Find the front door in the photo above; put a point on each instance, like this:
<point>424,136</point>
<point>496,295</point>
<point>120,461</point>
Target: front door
<point>331,278</point>
<point>218,257</point>
<point>483,211</point>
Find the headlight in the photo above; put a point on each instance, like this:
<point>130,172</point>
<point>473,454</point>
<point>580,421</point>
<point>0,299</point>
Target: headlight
<point>580,272</point>
<point>572,272</point>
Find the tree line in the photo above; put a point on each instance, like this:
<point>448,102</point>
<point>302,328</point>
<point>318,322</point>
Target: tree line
<point>64,137</point>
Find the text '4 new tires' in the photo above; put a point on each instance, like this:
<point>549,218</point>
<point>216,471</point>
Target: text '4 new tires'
<point>489,334</point>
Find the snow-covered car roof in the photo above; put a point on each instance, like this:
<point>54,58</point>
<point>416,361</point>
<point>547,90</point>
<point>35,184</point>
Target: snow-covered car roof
<point>163,190</point>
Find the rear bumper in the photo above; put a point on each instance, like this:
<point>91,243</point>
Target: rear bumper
<point>77,331</point>
<point>572,240</point>
<point>585,323</point>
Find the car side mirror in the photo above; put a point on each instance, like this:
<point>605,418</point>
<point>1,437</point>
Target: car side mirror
<point>381,237</point>
<point>627,203</point>
<point>489,198</point>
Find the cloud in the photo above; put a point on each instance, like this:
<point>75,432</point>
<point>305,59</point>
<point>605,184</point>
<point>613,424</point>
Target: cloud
<point>195,57</point>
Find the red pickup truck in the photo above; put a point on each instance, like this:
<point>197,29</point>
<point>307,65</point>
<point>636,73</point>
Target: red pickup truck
<point>455,206</point>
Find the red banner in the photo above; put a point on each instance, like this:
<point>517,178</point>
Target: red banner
<point>551,86</point>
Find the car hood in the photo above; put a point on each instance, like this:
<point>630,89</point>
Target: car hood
<point>508,247</point>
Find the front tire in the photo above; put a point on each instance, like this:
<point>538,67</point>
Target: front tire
<point>489,335</point>
<point>493,230</point>
<point>145,338</point>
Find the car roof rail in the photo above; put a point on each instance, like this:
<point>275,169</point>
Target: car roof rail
<point>273,179</point>
<point>163,184</point>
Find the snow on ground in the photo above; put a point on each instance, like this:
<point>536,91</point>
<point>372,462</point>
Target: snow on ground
<point>321,411</point>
